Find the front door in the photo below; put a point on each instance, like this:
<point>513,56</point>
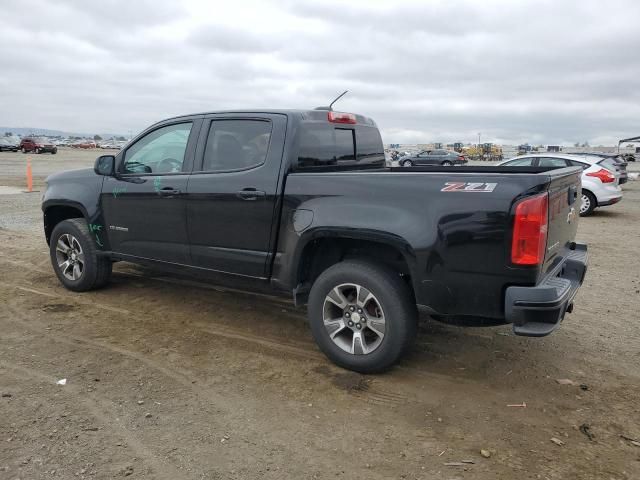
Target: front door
<point>233,191</point>
<point>144,206</point>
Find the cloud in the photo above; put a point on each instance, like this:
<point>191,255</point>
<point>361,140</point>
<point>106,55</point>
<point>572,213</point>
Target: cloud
<point>550,72</point>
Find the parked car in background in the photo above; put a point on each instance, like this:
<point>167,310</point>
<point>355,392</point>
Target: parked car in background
<point>618,160</point>
<point>600,181</point>
<point>38,145</point>
<point>110,145</point>
<point>9,144</point>
<point>85,144</point>
<point>433,157</point>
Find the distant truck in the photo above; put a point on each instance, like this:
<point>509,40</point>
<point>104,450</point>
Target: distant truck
<point>298,203</point>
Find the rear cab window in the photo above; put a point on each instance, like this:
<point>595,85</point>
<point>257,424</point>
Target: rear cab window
<point>326,145</point>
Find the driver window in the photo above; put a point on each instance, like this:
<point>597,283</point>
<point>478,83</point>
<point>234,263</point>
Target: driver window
<point>160,151</point>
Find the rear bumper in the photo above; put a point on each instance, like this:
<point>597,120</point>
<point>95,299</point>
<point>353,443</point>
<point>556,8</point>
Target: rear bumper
<point>610,201</point>
<point>537,311</point>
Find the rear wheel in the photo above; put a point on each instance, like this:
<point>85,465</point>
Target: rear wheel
<point>37,150</point>
<point>362,316</point>
<point>588,203</point>
<point>75,258</point>
<point>24,150</point>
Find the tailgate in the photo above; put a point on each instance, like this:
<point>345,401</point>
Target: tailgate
<point>564,208</point>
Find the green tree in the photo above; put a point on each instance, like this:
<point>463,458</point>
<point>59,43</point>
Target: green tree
<point>97,138</point>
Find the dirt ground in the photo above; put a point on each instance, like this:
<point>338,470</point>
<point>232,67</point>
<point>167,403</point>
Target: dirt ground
<point>173,379</point>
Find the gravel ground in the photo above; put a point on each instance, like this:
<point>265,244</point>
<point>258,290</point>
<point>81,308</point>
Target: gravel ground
<point>168,378</point>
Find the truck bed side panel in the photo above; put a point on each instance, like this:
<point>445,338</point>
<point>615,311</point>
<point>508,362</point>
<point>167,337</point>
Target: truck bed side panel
<point>456,242</point>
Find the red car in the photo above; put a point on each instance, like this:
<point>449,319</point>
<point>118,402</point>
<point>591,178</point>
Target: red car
<point>84,144</point>
<point>37,145</point>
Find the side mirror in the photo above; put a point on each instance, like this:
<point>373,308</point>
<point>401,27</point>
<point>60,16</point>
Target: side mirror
<point>105,165</point>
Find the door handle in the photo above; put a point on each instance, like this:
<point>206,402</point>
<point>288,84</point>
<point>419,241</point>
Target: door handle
<point>251,194</point>
<point>169,192</point>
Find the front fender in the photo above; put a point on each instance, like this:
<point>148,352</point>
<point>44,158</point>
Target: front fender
<point>79,190</point>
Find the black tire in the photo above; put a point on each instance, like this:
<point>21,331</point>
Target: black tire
<point>593,203</point>
<point>407,163</point>
<point>24,150</point>
<point>37,151</point>
<point>447,163</point>
<point>96,269</point>
<point>395,299</point>
<point>55,150</point>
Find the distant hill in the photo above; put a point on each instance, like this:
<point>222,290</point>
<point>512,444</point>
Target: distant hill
<point>53,133</point>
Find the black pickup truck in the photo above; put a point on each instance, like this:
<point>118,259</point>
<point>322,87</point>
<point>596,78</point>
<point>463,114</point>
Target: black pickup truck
<point>298,202</point>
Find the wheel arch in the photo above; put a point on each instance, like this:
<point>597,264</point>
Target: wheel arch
<point>593,194</point>
<point>326,248</point>
<point>56,212</point>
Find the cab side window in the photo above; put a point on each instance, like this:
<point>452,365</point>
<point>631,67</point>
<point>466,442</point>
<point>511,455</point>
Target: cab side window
<point>160,151</point>
<point>236,145</point>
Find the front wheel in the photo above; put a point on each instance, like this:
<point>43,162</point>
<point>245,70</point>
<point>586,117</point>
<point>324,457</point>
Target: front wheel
<point>446,163</point>
<point>362,316</point>
<point>24,150</point>
<point>588,203</point>
<point>407,163</point>
<point>75,258</point>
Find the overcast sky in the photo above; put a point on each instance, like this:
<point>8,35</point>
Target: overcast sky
<point>543,72</point>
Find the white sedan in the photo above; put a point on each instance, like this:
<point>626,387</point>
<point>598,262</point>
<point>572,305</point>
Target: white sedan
<point>600,185</point>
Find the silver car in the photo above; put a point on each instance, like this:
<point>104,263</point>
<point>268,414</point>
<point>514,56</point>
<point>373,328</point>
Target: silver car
<point>600,179</point>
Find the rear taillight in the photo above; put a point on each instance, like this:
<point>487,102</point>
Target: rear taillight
<point>461,158</point>
<point>604,175</point>
<point>530,227</point>
<point>338,117</point>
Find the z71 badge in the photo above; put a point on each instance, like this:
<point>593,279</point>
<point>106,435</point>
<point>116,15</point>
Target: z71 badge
<point>468,187</point>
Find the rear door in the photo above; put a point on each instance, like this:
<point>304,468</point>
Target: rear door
<point>232,194</point>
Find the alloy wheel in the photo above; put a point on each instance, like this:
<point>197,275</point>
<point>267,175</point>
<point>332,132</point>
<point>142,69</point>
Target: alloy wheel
<point>70,257</point>
<point>354,319</point>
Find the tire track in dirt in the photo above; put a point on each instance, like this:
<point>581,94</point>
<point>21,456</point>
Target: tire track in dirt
<point>309,352</point>
<point>97,409</point>
<point>376,394</point>
<point>74,340</point>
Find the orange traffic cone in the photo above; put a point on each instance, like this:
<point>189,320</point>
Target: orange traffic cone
<point>29,176</point>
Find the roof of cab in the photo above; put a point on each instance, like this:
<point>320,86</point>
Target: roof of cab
<point>307,114</point>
